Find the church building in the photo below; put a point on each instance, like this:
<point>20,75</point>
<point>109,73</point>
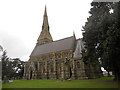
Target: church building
<point>61,59</point>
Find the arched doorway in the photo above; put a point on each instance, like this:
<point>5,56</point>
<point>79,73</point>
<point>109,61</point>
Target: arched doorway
<point>31,74</point>
<point>70,72</point>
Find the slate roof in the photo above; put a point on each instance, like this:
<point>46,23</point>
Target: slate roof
<point>59,45</point>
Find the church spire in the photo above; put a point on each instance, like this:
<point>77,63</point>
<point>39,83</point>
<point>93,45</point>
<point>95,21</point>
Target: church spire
<point>1,48</point>
<point>74,35</point>
<point>45,36</point>
<point>45,12</point>
<point>45,20</point>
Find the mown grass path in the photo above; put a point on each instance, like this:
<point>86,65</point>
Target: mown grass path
<point>104,82</point>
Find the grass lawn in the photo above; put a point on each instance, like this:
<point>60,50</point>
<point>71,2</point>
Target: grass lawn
<point>104,82</point>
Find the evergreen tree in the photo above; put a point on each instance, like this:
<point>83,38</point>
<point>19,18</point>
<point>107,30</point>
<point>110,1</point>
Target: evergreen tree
<point>7,70</point>
<point>93,33</point>
<point>102,36</point>
<point>112,42</point>
<point>11,67</point>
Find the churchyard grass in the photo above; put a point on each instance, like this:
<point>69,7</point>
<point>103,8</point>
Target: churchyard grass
<point>104,82</point>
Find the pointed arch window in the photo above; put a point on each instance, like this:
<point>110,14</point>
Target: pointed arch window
<point>78,64</point>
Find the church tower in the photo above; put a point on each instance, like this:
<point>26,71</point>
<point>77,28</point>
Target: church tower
<point>45,36</point>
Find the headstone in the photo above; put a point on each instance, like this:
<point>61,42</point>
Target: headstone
<point>10,81</point>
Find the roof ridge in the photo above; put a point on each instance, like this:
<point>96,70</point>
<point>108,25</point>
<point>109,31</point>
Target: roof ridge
<point>63,39</point>
<point>56,41</point>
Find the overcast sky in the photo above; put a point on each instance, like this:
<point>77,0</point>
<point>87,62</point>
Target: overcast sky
<point>21,22</point>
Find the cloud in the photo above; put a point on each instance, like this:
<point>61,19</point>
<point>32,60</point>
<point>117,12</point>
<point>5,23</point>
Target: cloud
<point>14,46</point>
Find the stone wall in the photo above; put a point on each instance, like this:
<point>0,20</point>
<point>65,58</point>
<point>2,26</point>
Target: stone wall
<point>59,65</point>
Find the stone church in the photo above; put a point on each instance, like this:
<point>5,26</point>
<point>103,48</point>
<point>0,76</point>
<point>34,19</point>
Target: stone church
<point>61,59</point>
